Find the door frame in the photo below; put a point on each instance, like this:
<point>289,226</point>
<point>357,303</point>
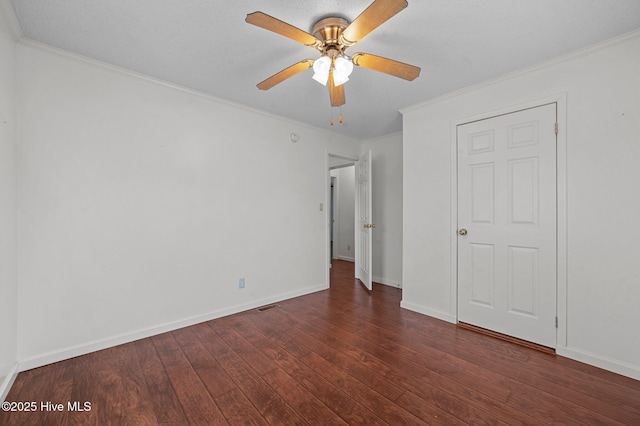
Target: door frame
<point>561,194</point>
<point>345,160</point>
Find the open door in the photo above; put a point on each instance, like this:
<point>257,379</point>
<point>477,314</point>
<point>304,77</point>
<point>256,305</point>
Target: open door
<point>364,223</point>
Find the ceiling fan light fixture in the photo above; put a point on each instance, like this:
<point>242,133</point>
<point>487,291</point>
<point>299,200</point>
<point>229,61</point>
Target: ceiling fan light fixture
<point>321,68</point>
<point>331,36</point>
<point>342,69</point>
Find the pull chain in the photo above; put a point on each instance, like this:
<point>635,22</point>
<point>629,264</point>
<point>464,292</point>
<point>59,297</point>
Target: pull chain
<point>339,118</point>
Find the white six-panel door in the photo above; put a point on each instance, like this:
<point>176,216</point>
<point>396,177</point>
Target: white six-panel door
<point>507,224</point>
<point>364,225</point>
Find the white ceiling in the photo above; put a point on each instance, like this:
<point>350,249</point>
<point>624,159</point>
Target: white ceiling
<point>205,45</point>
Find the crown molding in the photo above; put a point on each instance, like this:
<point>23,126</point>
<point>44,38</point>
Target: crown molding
<point>9,15</point>
<point>125,71</point>
<point>527,70</point>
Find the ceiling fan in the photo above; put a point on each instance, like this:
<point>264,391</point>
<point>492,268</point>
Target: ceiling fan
<point>331,37</point>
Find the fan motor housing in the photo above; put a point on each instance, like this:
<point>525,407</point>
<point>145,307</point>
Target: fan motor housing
<point>328,30</point>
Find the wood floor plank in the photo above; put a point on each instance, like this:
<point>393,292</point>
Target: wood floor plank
<point>84,390</point>
<point>238,410</point>
<point>361,393</point>
<point>563,366</point>
<point>589,384</point>
<point>198,406</point>
<point>552,409</point>
<point>301,400</point>
<point>269,403</point>
<point>248,352</point>
<point>170,353</point>
<point>210,340</point>
<point>630,415</point>
<point>333,397</point>
<point>352,366</point>
<point>427,412</point>
<point>211,373</point>
<point>197,355</point>
<point>415,363</point>
<point>44,389</point>
<point>164,400</point>
<point>450,399</point>
<point>265,324</point>
<point>398,376</point>
<point>338,356</point>
<point>123,394</point>
<point>299,397</point>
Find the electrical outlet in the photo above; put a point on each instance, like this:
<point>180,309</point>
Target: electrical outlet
<point>348,248</point>
<point>241,283</point>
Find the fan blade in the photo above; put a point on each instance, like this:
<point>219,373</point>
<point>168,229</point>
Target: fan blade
<point>270,23</point>
<point>284,74</point>
<point>336,93</point>
<point>371,18</point>
<point>386,65</point>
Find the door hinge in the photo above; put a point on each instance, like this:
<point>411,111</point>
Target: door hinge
<point>555,128</point>
<point>556,322</point>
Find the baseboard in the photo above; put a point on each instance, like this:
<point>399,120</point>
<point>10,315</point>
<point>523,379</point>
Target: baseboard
<point>599,361</point>
<point>429,312</point>
<point>82,349</point>
<point>379,280</point>
<point>348,259</point>
<point>390,283</point>
<point>6,384</point>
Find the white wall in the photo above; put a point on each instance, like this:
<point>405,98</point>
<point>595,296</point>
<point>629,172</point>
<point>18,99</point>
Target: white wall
<point>141,205</point>
<point>603,153</point>
<point>344,214</point>
<point>386,179</point>
<point>8,289</point>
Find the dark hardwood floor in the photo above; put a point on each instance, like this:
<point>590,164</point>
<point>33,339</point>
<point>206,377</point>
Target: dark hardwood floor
<point>334,357</point>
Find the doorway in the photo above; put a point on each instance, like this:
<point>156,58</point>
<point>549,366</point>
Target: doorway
<point>342,213</point>
<point>341,210</point>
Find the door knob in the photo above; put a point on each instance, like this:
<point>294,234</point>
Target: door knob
<point>462,231</point>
